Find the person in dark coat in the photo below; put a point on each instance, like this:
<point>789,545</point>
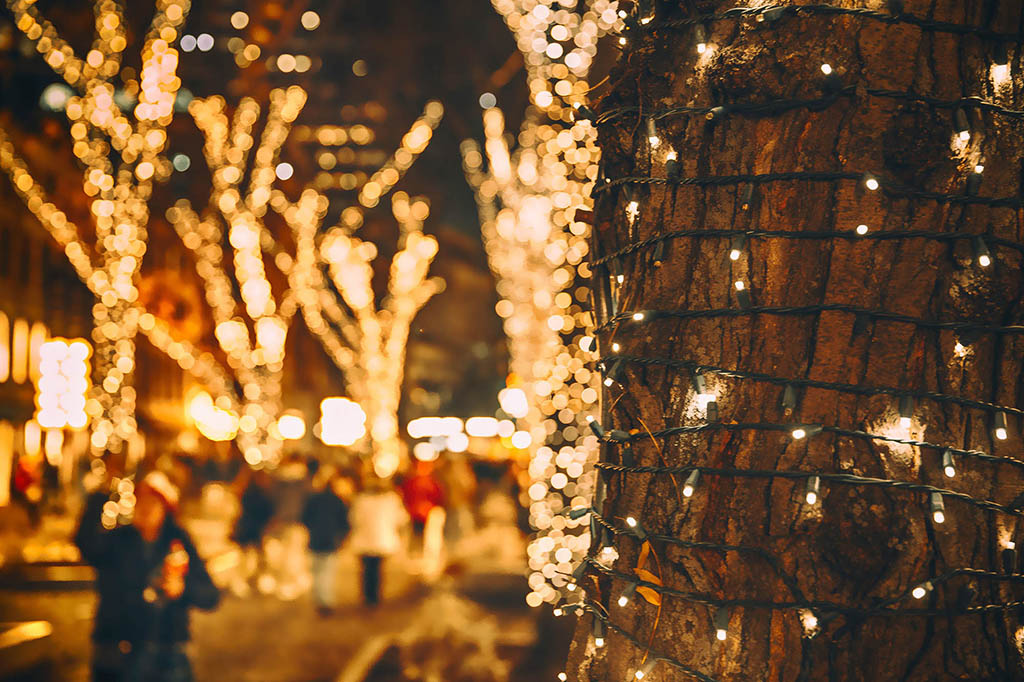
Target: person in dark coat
<point>257,509</point>
<point>148,576</point>
<point>326,517</point>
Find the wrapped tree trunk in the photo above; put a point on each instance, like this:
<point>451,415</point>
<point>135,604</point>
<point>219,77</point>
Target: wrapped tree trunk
<point>820,244</point>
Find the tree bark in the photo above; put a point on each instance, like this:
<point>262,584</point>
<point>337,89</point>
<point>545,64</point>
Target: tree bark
<point>858,545</point>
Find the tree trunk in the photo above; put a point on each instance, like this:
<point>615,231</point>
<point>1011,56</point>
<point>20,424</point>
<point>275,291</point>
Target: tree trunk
<point>825,588</point>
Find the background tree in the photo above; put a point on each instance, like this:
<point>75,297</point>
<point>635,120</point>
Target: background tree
<point>527,197</point>
<point>253,345</point>
<point>332,275</point>
<point>122,157</point>
<point>831,342</point>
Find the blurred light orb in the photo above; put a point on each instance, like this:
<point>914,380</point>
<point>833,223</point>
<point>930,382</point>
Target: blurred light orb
<point>284,170</point>
<point>55,97</point>
<point>291,426</point>
<point>239,20</point>
<point>310,20</point>
<point>359,68</point>
<point>188,42</point>
<point>488,100</point>
<point>204,42</point>
<point>181,162</point>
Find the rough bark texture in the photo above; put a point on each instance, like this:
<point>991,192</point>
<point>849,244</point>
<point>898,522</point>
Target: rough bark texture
<point>859,545</point>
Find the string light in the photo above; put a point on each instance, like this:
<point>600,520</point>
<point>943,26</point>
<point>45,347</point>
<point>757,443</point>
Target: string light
<point>813,489</point>
<point>1000,429</point>
<point>691,483</point>
<point>948,468</point>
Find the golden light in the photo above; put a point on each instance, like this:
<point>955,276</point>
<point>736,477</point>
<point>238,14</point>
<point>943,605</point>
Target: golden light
<point>213,422</point>
<point>63,384</point>
<point>291,426</point>
<point>342,422</point>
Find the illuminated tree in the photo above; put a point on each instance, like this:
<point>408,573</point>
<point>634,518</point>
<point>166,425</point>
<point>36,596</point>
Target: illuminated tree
<point>254,345</point>
<point>121,155</point>
<point>527,200</point>
<point>811,430</point>
<point>332,275</point>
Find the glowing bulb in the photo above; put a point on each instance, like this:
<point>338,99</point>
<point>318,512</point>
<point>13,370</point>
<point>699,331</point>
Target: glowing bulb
<point>687,491</point>
<point>862,229</point>
<point>622,41</point>
<point>799,433</point>
<point>740,286</point>
<point>871,184</point>
<point>947,464</point>
<point>1001,433</point>
<point>691,483</point>
<point>623,600</point>
<point>556,612</point>
<point>619,279</point>
<point>571,587</point>
<point>599,642</point>
<point>616,347</point>
<point>638,317</point>
<point>949,471</point>
<point>631,522</point>
<point>702,48</point>
<point>984,260</point>
<point>812,498</point>
<point>671,156</point>
<point>1010,544</point>
<point>734,254</point>
<point>721,635</point>
<point>979,168</point>
<point>826,69</point>
<point>905,422</point>
<point>562,677</point>
<point>965,135</point>
<point>284,170</point>
<point>939,517</point>
<point>919,592</point>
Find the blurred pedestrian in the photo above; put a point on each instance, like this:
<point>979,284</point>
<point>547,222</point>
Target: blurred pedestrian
<point>148,576</point>
<point>257,508</point>
<point>325,515</point>
<point>378,517</point>
<point>421,492</point>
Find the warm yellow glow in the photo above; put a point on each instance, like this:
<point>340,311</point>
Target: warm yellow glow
<point>342,422</point>
<point>63,384</point>
<point>482,427</point>
<point>291,426</point>
<point>33,438</point>
<point>19,352</point>
<point>5,348</point>
<point>36,339</point>
<point>213,422</point>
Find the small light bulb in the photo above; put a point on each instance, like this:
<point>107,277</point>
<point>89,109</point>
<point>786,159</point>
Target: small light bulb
<point>734,254</point>
<point>631,522</point>
<point>687,491</point>
<point>919,592</point>
<point>871,184</point>
<point>740,286</point>
<point>1010,544</point>
<point>623,600</point>
<point>948,466</point>
<point>949,471</point>
<point>616,347</point>
<point>1001,434</point>
<point>939,517</point>
<point>965,135</point>
<point>979,168</point>
<point>638,317</point>
<point>622,40</point>
<point>812,498</point>
<point>619,279</point>
<point>691,483</point>
<point>721,635</point>
<point>799,433</point>
<point>702,48</point>
<point>984,260</point>
<point>562,677</point>
<point>556,612</point>
<point>905,422</point>
<point>609,381</point>
<point>571,587</point>
<point>813,487</point>
<point>862,229</point>
<point>646,20</point>
<point>671,156</point>
<point>826,69</point>
<point>599,642</point>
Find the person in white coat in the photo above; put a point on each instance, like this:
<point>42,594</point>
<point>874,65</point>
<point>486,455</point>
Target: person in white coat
<point>378,518</point>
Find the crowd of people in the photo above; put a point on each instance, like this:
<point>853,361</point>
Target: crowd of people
<point>150,575</point>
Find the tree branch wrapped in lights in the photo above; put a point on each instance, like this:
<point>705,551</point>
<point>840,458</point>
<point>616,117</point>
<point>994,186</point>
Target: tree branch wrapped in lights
<point>527,199</point>
<point>254,346</point>
<point>122,157</point>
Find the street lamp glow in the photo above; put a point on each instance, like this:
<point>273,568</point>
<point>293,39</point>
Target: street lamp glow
<point>291,426</point>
